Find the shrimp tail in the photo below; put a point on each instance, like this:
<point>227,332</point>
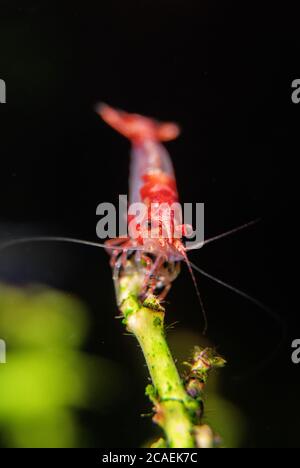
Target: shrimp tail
<point>135,127</point>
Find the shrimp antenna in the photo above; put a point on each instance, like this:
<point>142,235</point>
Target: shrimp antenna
<point>189,265</point>
<point>224,234</point>
<point>24,240</point>
<point>276,317</point>
<point>238,291</point>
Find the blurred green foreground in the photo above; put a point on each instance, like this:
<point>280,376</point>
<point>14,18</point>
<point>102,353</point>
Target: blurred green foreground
<point>47,378</point>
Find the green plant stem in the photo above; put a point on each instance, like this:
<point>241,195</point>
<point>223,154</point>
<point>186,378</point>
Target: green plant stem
<point>178,406</point>
<point>173,406</point>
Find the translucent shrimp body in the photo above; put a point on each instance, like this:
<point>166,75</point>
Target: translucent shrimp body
<point>152,182</point>
<point>157,242</point>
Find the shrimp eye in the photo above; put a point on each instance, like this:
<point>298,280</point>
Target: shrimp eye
<point>159,289</point>
<point>151,256</point>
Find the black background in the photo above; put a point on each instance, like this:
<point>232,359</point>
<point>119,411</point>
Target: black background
<point>223,70</point>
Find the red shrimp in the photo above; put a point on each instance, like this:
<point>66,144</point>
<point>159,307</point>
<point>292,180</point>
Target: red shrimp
<point>152,182</point>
